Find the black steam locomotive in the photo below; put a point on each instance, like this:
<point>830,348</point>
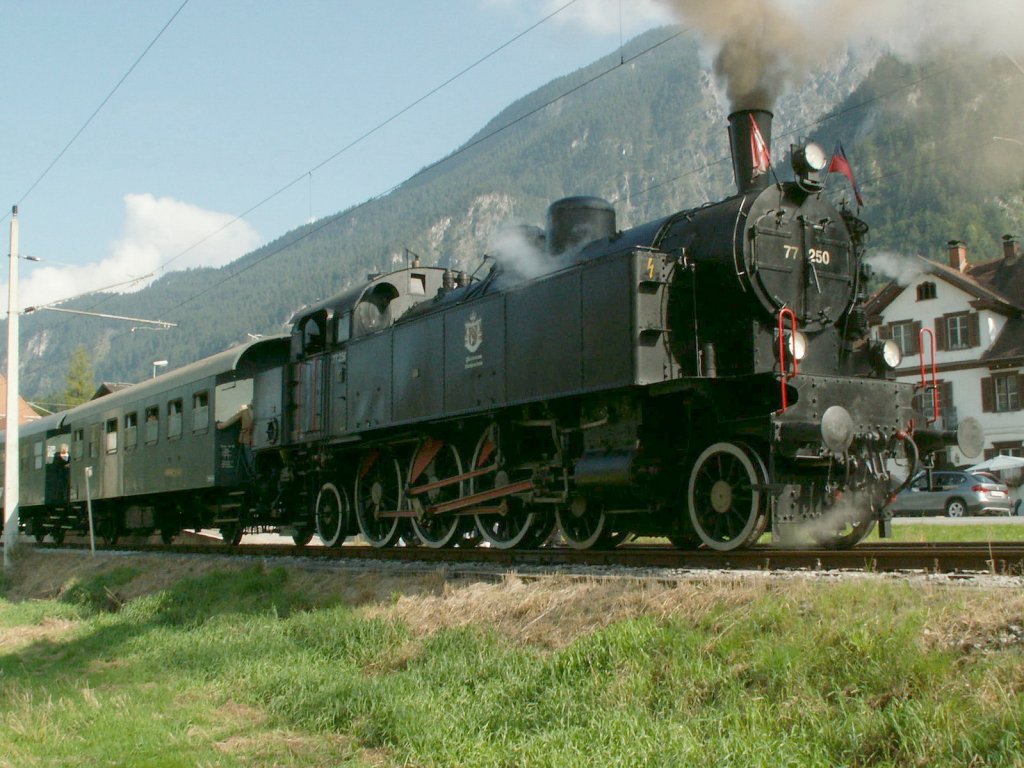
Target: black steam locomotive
<point>705,377</point>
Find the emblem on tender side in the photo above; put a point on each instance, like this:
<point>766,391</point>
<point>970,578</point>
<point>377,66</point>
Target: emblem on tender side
<point>473,339</point>
<point>474,333</point>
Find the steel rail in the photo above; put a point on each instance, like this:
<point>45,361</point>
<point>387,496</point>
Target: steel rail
<point>1003,558</point>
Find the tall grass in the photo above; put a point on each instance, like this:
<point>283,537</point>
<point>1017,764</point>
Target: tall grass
<point>241,669</point>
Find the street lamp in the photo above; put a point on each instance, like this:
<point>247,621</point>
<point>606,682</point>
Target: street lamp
<point>158,364</point>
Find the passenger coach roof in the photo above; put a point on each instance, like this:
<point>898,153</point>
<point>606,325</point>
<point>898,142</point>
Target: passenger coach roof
<point>41,426</point>
<point>223,362</point>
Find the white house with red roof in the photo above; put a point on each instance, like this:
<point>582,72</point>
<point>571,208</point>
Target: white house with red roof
<point>973,315</point>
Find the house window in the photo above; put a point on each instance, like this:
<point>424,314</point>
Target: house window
<point>906,337</point>
<point>152,424</point>
<point>200,412</point>
<point>174,419</point>
<point>1006,392</point>
<point>924,402</point>
<point>925,291</point>
<point>131,430</point>
<point>958,332</point>
<point>110,442</point>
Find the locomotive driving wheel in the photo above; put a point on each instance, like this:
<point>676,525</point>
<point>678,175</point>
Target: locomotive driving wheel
<point>378,493</point>
<point>445,529</point>
<point>728,506</point>
<point>333,513</point>
<point>516,525</point>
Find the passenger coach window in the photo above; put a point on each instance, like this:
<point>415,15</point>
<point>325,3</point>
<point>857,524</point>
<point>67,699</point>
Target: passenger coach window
<point>152,424</point>
<point>37,455</point>
<point>200,412</point>
<point>110,438</point>
<point>174,419</point>
<point>79,438</point>
<point>131,430</point>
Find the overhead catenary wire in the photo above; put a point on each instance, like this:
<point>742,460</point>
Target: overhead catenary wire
<point>355,142</point>
<point>98,109</point>
<point>367,134</point>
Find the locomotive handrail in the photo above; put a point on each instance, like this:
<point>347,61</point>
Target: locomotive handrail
<point>924,386</point>
<point>782,351</point>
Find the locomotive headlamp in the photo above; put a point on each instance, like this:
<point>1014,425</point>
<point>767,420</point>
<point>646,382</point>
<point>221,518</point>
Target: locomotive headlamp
<point>809,158</point>
<point>886,354</point>
<point>796,344</point>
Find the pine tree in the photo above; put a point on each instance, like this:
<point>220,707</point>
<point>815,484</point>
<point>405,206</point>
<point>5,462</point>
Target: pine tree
<point>80,378</point>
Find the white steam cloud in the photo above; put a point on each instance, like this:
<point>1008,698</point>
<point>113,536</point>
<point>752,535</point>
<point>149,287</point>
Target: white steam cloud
<point>901,269</point>
<point>520,252</point>
<point>764,46</point>
<point>156,230</point>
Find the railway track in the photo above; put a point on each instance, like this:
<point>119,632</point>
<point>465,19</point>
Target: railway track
<point>1004,558</point>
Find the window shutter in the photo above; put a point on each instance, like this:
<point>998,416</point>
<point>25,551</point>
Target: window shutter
<point>974,329</point>
<point>988,395</point>
<point>940,333</point>
<point>885,332</point>
<point>915,342</point>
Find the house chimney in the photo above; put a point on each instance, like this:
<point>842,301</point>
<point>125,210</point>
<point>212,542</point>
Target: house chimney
<point>958,255</point>
<point>1011,250</point>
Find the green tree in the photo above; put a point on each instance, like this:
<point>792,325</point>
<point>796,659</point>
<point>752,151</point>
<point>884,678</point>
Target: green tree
<point>80,378</point>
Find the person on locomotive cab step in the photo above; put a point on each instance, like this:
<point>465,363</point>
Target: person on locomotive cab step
<point>245,420</point>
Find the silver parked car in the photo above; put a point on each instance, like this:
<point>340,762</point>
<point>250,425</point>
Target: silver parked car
<point>953,494</point>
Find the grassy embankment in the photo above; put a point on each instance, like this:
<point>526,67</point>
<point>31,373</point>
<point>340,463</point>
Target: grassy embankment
<point>972,531</point>
<point>139,662</point>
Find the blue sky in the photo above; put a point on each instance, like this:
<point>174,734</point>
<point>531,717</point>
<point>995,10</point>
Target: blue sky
<point>235,100</point>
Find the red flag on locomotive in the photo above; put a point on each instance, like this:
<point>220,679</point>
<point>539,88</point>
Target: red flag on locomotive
<point>759,153</point>
<point>841,164</point>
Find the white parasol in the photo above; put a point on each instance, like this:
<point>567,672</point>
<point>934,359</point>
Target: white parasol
<point>998,464</point>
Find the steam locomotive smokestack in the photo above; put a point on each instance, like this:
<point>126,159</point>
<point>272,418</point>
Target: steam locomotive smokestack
<point>750,139</point>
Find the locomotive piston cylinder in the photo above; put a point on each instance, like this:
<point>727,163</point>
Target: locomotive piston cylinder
<point>595,470</point>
